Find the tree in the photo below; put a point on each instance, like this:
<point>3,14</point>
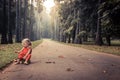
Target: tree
<point>83,17</point>
<point>4,28</point>
<point>110,19</point>
<point>98,34</point>
<point>17,21</point>
<point>9,23</point>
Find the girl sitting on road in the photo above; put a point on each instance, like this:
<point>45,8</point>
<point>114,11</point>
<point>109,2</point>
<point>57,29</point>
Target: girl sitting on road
<point>24,54</point>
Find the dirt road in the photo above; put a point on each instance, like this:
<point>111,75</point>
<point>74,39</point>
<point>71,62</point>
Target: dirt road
<point>54,61</point>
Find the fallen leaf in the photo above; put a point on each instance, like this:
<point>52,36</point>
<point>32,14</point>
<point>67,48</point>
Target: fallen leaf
<point>69,69</point>
<point>113,65</point>
<point>48,62</point>
<point>79,55</point>
<point>104,71</point>
<point>61,56</point>
<point>53,62</point>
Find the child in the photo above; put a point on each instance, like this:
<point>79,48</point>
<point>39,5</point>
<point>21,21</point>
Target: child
<point>25,53</point>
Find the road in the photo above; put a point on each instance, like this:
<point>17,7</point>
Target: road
<point>55,61</point>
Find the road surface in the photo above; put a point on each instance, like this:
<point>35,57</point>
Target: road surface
<point>55,61</point>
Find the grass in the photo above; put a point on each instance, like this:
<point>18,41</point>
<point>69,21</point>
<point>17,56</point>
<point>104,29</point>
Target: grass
<point>115,42</point>
<point>114,49</point>
<point>7,52</point>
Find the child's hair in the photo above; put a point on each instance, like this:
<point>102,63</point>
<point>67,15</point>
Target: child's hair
<point>26,40</point>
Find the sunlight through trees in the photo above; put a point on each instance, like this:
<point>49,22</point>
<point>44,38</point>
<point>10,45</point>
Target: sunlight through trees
<point>73,21</point>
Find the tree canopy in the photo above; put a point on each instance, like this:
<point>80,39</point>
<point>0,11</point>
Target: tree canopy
<point>72,21</point>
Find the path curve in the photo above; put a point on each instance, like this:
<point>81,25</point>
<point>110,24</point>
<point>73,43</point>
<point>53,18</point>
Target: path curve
<point>55,61</point>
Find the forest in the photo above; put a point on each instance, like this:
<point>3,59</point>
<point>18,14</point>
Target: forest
<point>69,21</point>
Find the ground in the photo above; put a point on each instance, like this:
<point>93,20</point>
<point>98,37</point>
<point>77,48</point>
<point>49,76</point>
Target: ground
<point>55,61</point>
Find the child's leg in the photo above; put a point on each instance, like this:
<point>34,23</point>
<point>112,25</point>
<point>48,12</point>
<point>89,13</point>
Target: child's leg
<point>20,59</point>
<point>17,61</point>
<point>27,59</point>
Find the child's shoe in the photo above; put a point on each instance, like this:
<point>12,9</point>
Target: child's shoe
<point>15,60</point>
<point>17,63</point>
<point>26,63</point>
<point>21,62</point>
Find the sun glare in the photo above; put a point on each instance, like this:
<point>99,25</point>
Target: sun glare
<point>48,5</point>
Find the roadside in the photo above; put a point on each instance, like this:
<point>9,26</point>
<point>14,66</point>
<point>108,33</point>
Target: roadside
<point>7,52</point>
<point>115,49</point>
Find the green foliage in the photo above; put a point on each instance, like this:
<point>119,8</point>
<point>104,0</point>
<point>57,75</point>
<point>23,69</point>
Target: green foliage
<point>83,16</point>
<point>110,20</point>
<point>74,22</point>
<point>68,31</point>
<point>7,53</point>
<point>82,34</point>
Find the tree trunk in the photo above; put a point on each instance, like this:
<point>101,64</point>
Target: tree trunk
<point>76,33</point>
<point>79,40</point>
<point>20,20</point>
<point>73,35</point>
<point>69,38</point>
<point>77,27</point>
<point>31,23</point>
<point>64,38</point>
<point>9,23</point>
<point>4,29</point>
<point>25,20</point>
<point>17,22</point>
<point>108,40</point>
<point>98,34</point>
<point>85,38</point>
